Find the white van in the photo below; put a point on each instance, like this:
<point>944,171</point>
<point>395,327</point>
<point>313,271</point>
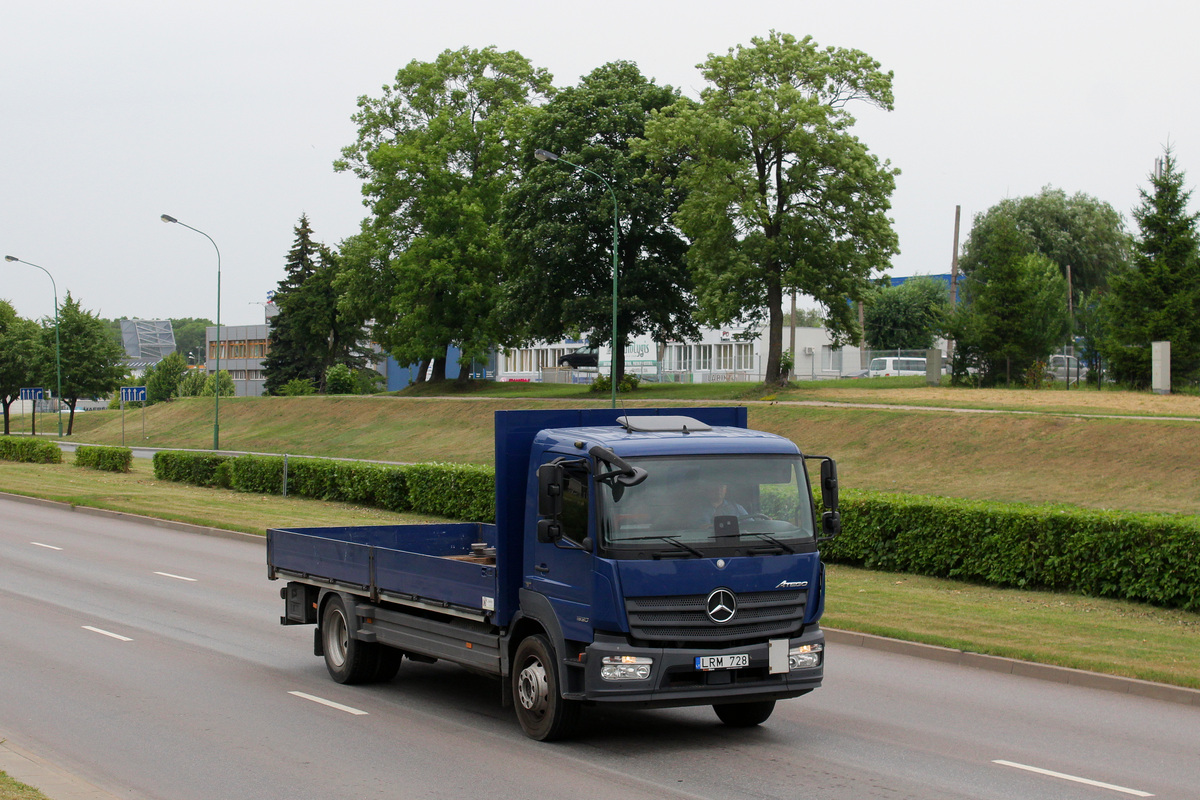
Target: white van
<point>887,367</point>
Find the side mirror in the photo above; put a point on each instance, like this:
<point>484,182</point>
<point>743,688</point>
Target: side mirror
<point>829,484</point>
<point>548,531</point>
<point>831,525</point>
<point>550,491</point>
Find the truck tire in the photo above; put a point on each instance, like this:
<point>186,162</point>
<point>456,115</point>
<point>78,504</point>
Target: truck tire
<point>543,713</point>
<point>348,660</point>
<point>388,663</point>
<point>744,715</point>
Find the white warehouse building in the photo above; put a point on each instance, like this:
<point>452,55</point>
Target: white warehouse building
<point>718,355</point>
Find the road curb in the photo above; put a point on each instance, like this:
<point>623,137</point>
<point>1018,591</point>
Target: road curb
<point>186,527</point>
<point>23,766</point>
<point>1011,666</point>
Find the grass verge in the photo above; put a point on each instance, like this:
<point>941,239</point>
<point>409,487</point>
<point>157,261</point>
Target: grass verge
<point>12,789</point>
<point>1111,637</point>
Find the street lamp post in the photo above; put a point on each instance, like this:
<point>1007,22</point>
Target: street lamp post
<point>546,155</point>
<point>57,346</point>
<point>217,372</point>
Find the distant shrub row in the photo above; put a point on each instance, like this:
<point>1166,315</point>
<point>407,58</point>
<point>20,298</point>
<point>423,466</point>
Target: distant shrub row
<point>455,491</point>
<point>1149,558</point>
<point>29,449</point>
<point>110,459</point>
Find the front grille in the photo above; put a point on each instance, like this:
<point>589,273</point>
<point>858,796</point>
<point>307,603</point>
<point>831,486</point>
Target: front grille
<point>683,621</point>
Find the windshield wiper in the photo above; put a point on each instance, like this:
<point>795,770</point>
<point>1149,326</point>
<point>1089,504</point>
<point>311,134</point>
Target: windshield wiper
<point>783,545</point>
<point>669,539</point>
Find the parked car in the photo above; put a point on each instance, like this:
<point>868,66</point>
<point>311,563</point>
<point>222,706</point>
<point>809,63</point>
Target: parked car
<point>1061,368</point>
<point>888,367</point>
<point>582,357</point>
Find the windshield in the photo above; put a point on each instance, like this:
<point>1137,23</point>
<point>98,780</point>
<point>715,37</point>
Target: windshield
<point>702,505</point>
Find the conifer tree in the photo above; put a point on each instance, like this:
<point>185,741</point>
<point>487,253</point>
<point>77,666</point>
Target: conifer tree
<point>1158,297</point>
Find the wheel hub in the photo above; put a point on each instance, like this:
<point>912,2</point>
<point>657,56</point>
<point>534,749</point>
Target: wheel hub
<point>532,688</point>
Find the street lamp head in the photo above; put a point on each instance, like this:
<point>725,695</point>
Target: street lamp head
<point>168,218</point>
<point>11,258</point>
<point>544,155</point>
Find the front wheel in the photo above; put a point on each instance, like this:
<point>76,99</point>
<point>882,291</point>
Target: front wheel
<point>543,713</point>
<point>745,715</point>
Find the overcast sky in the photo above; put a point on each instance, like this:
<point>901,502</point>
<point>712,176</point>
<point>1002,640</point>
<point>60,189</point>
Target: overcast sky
<point>228,116</point>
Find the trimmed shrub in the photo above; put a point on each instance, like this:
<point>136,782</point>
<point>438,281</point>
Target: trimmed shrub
<point>198,469</point>
<point>30,450</point>
<point>1145,558</point>
<point>109,459</point>
<point>458,491</point>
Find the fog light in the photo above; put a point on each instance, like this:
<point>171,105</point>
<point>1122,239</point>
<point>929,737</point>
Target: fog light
<point>625,668</point>
<point>806,656</point>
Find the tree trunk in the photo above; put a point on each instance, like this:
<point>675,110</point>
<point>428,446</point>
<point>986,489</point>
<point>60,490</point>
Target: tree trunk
<point>775,329</point>
<point>439,369</point>
<point>71,419</point>
<point>7,406</point>
<point>464,376</point>
<point>422,368</point>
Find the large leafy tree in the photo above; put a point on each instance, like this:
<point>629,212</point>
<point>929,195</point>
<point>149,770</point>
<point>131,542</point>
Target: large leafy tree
<point>780,196</point>
<point>1079,233</point>
<point>558,222</point>
<point>1012,312</point>
<point>436,153</point>
<point>910,316</point>
<point>163,379</point>
<point>1158,297</point>
<point>93,362</point>
<point>312,331</point>
<point>20,356</point>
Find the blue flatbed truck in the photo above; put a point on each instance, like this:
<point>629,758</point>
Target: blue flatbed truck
<point>639,558</point>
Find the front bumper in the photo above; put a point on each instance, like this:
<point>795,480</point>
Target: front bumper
<point>674,680</point>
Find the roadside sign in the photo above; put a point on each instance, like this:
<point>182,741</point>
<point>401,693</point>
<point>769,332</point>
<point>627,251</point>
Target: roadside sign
<point>133,394</point>
<point>32,393</point>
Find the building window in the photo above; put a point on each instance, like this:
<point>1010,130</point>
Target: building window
<point>704,358</point>
<point>831,358</point>
<point>744,357</point>
<point>724,353</point>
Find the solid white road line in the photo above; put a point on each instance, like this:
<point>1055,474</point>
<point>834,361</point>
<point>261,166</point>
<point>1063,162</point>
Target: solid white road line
<point>330,703</point>
<point>107,633</point>
<point>47,546</point>
<point>176,577</point>
<point>1074,778</point>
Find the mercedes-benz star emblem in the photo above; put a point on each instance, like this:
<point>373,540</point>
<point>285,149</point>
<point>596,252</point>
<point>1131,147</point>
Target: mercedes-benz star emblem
<point>721,606</point>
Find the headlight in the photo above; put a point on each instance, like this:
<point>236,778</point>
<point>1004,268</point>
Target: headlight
<point>625,668</point>
<point>806,656</point>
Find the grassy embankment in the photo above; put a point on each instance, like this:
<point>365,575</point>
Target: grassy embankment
<point>1139,464</point>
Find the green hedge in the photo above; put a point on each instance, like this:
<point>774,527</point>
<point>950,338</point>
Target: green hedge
<point>454,491</point>
<point>109,459</point>
<point>1147,558</point>
<point>198,469</point>
<point>29,449</point>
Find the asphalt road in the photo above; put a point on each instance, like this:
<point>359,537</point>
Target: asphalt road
<point>150,662</point>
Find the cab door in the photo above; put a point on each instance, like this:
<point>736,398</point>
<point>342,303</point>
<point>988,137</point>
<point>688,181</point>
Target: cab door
<point>563,570</point>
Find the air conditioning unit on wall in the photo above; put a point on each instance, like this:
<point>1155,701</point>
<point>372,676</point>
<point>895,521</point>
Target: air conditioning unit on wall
<point>808,351</point>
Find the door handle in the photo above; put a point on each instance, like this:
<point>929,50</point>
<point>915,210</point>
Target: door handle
<point>542,568</point>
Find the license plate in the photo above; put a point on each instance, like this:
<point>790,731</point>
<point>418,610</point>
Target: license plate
<point>706,663</point>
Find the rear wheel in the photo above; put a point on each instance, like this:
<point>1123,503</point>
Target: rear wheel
<point>744,715</point>
<point>347,659</point>
<point>543,713</point>
<point>389,663</point>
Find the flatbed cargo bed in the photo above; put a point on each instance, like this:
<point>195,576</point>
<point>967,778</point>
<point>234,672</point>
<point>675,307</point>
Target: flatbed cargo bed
<point>432,566</point>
